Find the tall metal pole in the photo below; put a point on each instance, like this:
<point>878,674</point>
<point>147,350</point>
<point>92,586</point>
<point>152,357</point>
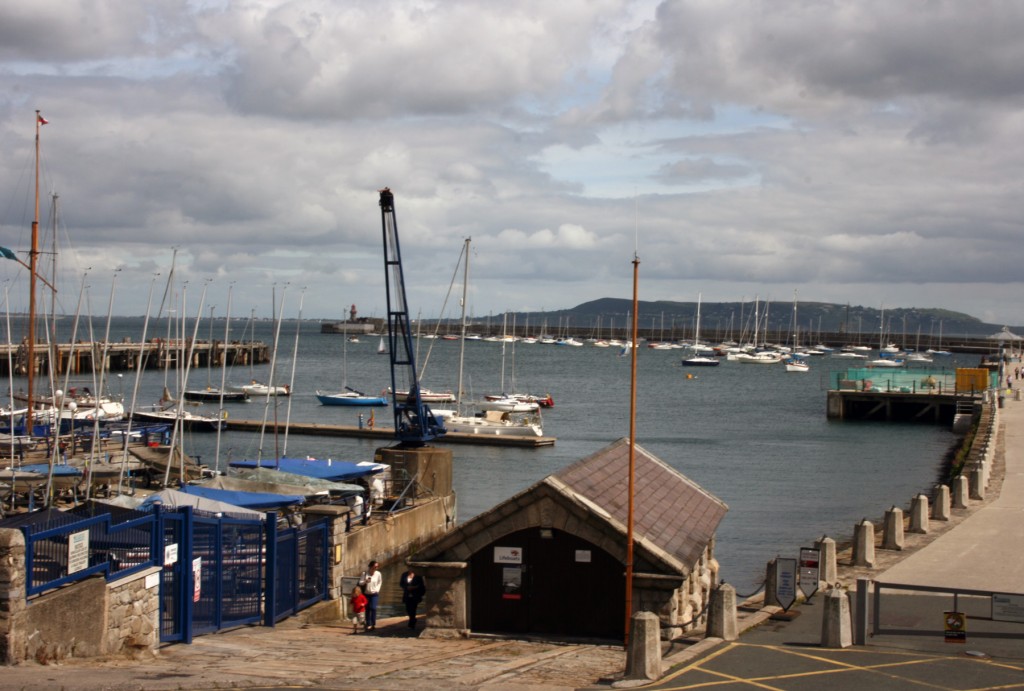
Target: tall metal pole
<point>33,258</point>
<point>632,449</point>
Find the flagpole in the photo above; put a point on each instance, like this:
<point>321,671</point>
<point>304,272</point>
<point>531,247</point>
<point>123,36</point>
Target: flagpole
<point>632,451</point>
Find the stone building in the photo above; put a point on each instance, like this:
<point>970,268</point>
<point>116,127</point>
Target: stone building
<point>551,559</point>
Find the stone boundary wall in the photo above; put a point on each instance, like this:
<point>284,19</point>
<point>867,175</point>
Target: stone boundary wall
<point>388,539</point>
<point>84,619</point>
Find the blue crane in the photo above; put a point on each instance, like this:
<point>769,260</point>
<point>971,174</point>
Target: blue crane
<point>415,425</point>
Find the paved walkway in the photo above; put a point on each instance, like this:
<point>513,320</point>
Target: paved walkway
<point>982,547</point>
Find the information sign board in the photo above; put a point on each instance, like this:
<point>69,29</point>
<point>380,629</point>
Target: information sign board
<point>810,571</point>
<point>1006,607</point>
<point>78,551</point>
<point>785,581</point>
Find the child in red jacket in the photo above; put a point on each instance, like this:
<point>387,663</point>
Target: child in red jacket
<point>358,603</point>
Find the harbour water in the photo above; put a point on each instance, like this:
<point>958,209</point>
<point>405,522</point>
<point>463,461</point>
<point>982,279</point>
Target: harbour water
<point>753,435</point>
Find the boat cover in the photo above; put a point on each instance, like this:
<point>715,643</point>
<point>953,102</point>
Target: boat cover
<point>58,469</point>
<point>248,500</point>
<point>337,471</point>
<point>283,483</point>
<point>173,499</point>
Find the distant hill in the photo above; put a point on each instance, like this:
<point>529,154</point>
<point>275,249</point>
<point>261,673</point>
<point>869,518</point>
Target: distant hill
<point>811,316</point>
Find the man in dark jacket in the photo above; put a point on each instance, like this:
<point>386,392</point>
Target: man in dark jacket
<point>413,590</point>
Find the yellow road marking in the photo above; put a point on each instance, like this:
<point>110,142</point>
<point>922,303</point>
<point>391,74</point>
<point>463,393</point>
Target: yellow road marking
<point>837,667</point>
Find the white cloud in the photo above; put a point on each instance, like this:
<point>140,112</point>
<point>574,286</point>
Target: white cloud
<point>865,151</point>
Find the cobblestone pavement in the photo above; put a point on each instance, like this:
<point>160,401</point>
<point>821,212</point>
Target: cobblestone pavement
<point>328,656</point>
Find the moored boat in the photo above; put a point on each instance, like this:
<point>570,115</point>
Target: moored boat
<point>351,397</point>
<point>211,394</point>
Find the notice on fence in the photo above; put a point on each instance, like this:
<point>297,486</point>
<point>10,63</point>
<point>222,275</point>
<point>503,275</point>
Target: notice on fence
<point>785,582</point>
<point>1006,607</point>
<point>78,551</point>
<point>197,578</point>
<point>955,627</point>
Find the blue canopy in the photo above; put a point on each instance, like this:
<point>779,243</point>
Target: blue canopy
<point>337,471</point>
<point>59,470</point>
<point>248,500</point>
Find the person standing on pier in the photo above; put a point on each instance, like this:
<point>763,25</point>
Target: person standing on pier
<point>370,583</point>
<point>413,590</point>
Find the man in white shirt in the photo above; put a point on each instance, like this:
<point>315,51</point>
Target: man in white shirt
<point>371,581</point>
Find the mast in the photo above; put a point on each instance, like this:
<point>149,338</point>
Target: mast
<point>33,259</point>
<point>632,451</point>
<point>462,338</point>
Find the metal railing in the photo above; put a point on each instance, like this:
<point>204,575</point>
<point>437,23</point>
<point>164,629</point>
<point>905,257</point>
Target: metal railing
<point>1012,629</point>
<point>75,551</point>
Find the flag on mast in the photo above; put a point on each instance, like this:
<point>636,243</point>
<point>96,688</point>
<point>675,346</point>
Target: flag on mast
<point>41,119</point>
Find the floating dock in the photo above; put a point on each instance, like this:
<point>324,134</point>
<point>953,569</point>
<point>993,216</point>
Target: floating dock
<point>388,434</point>
<point>909,395</point>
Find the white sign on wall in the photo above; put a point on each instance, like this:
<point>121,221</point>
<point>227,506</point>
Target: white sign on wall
<point>508,555</point>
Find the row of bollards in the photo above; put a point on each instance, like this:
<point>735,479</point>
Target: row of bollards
<point>842,624</point>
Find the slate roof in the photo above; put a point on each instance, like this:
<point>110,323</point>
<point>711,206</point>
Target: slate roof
<point>669,510</point>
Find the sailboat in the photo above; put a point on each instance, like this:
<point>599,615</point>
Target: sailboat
<point>795,361</point>
<point>489,422</point>
<point>349,396</point>
<point>211,393</point>
<point>940,352</point>
<point>513,402</point>
<point>382,348</point>
<point>698,360</point>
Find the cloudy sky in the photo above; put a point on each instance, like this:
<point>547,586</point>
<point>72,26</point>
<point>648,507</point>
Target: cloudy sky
<point>866,152</point>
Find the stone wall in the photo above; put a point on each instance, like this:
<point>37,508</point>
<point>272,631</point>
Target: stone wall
<point>83,619</point>
<point>133,613</point>
<point>388,539</point>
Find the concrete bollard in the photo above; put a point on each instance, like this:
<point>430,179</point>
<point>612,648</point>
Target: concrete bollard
<point>892,529</point>
<point>722,613</point>
<point>643,658</point>
<point>836,628</point>
<point>976,482</point>
<point>864,544</point>
<point>827,564</point>
<point>770,600</point>
<point>960,492</point>
<point>940,510</point>
<point>919,514</point>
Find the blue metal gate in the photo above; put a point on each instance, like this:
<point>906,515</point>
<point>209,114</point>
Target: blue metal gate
<point>227,555</point>
<point>212,574</point>
<point>297,570</point>
<point>175,610</point>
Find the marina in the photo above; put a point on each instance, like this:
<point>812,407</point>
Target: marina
<point>754,436</point>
